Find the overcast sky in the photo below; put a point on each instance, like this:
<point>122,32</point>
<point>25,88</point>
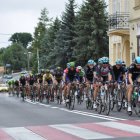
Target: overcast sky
<point>22,15</point>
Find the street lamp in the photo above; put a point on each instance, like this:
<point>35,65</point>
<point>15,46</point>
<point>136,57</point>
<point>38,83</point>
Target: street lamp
<point>28,59</point>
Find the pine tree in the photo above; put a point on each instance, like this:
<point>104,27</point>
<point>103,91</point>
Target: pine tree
<point>39,34</point>
<point>48,43</point>
<point>91,30</point>
<point>64,42</point>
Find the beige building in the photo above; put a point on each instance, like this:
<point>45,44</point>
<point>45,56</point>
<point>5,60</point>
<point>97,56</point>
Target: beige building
<point>124,30</point>
<point>119,34</point>
<point>134,24</point>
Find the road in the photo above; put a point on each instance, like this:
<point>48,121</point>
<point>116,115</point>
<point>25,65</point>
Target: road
<point>39,121</point>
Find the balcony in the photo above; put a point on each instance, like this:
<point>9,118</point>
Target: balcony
<point>119,24</point>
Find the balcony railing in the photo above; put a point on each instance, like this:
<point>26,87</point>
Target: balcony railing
<point>119,21</point>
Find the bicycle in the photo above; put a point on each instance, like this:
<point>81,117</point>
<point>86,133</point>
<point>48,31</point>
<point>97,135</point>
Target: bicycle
<point>89,100</point>
<point>59,94</point>
<point>22,89</point>
<point>71,97</point>
<point>80,93</point>
<point>118,96</point>
<point>33,92</point>
<point>103,100</point>
<point>48,92</point>
<point>135,101</point>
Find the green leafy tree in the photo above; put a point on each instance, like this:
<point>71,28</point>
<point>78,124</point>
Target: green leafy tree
<point>14,55</point>
<point>1,56</point>
<point>23,38</point>
<point>91,30</point>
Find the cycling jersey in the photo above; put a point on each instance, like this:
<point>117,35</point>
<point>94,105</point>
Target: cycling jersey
<point>47,78</point>
<point>134,71</point>
<point>80,76</point>
<point>17,83</point>
<point>118,73</point>
<point>58,75</point>
<point>70,75</point>
<point>89,73</point>
<point>103,72</point>
<point>31,80</point>
<point>22,81</point>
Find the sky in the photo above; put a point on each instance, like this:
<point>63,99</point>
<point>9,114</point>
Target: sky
<point>22,15</point>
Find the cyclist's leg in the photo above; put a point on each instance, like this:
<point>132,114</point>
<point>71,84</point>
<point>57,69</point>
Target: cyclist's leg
<point>129,95</point>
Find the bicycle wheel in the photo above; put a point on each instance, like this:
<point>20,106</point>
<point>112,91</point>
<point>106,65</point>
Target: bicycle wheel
<point>107,103</point>
<point>48,97</point>
<point>113,99</point>
<point>72,100</point>
<point>99,106</point>
<point>119,100</point>
<point>137,106</point>
<point>23,95</point>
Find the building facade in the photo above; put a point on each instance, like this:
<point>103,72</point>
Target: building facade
<point>134,24</point>
<point>124,30</point>
<point>119,33</point>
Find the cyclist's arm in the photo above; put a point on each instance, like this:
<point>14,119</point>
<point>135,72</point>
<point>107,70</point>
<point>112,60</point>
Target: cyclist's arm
<point>44,77</point>
<point>53,79</point>
<point>64,77</point>
<point>130,78</point>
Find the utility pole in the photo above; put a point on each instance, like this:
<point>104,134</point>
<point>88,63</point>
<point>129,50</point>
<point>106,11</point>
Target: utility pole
<point>38,60</point>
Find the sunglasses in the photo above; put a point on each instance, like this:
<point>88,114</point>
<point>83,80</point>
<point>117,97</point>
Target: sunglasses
<point>105,63</point>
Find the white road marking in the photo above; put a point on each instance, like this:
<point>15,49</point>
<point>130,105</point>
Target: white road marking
<point>54,107</point>
<point>121,126</point>
<point>99,115</point>
<point>21,133</point>
<point>80,132</point>
<point>104,117</point>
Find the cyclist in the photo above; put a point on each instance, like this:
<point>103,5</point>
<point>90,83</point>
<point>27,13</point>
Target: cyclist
<point>80,76</point>
<point>31,82</point>
<point>118,71</point>
<point>22,82</point>
<point>89,74</point>
<point>58,76</point>
<point>104,74</point>
<point>10,86</point>
<point>39,85</point>
<point>17,87</point>
<point>68,78</point>
<point>133,74</point>
<point>48,79</point>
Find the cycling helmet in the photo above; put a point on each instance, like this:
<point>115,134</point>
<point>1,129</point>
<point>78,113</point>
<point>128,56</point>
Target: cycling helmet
<point>137,60</point>
<point>79,67</point>
<point>58,68</point>
<point>47,71</point>
<point>91,62</point>
<point>100,60</point>
<point>119,62</point>
<point>68,65</point>
<point>105,60</point>
<point>72,64</point>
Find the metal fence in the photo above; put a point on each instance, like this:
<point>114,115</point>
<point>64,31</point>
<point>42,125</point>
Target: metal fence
<point>119,21</point>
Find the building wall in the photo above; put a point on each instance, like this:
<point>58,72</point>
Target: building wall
<point>134,25</point>
<point>118,45</point>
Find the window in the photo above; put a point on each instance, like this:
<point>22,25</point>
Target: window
<point>138,40</point>
<point>116,6</point>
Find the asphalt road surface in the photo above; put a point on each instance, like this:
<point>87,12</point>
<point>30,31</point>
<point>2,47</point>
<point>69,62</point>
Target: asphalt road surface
<point>39,121</point>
